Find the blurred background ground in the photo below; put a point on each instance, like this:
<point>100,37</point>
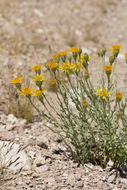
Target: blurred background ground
<point>32,30</point>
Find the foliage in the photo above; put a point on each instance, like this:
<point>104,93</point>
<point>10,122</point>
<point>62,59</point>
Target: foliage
<point>91,119</point>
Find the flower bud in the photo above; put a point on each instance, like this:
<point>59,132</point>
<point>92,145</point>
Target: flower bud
<point>111,59</point>
<point>63,57</point>
<point>86,57</point>
<point>86,75</point>
<point>116,52</point>
<point>79,51</point>
<point>99,53</point>
<point>75,55</point>
<point>69,57</point>
<point>103,51</point>
<point>84,104</point>
<point>118,115</point>
<point>85,64</point>
<point>119,96</point>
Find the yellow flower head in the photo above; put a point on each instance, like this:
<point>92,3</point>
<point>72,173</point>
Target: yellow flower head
<point>65,68</point>
<point>63,53</point>
<point>52,65</point>
<point>103,93</point>
<point>125,55</point>
<point>76,66</point>
<point>116,47</point>
<point>52,81</point>
<point>81,59</point>
<point>26,91</point>
<point>55,56</point>
<point>74,50</point>
<point>84,104</point>
<point>119,96</point>
<point>112,50</point>
<point>16,80</point>
<point>36,67</point>
<point>108,69</point>
<point>38,92</point>
<point>38,78</point>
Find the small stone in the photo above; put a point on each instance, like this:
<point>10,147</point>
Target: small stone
<point>20,183</point>
<point>39,160</point>
<point>50,181</point>
<point>42,169</point>
<point>78,33</point>
<point>104,179</point>
<point>80,184</point>
<point>78,176</point>
<point>28,182</point>
<point>111,179</point>
<point>71,180</point>
<point>110,163</point>
<point>19,21</point>
<point>32,154</point>
<point>100,170</point>
<point>38,13</point>
<point>6,135</point>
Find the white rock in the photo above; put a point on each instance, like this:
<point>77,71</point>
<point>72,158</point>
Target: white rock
<point>19,21</point>
<point>121,56</point>
<point>78,33</point>
<point>42,169</point>
<point>85,50</point>
<point>51,181</point>
<point>38,13</point>
<point>32,154</point>
<point>39,160</point>
<point>40,31</point>
<point>11,119</point>
<point>11,153</point>
<point>71,180</point>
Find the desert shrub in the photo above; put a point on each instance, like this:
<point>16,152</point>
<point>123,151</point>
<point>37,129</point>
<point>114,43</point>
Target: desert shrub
<point>90,119</point>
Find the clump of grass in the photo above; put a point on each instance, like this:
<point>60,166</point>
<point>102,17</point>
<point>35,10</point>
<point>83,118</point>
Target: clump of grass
<point>6,160</point>
<point>21,108</point>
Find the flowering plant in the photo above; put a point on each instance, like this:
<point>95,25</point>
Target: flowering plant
<point>91,121</point>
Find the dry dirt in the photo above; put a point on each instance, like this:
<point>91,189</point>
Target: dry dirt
<point>30,31</point>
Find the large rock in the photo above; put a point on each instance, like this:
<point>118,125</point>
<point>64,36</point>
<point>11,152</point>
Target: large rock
<point>13,157</point>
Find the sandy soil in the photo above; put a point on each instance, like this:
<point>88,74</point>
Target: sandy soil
<point>30,31</point>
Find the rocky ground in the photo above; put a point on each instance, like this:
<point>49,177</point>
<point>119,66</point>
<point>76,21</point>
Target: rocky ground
<point>30,31</point>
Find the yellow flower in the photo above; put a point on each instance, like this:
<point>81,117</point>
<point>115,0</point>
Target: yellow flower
<point>38,92</point>
<point>112,50</point>
<point>81,59</point>
<point>125,54</point>
<point>52,81</point>
<point>65,68</point>
<point>84,104</point>
<point>107,68</point>
<point>116,47</point>
<point>36,67</point>
<point>102,93</point>
<point>118,96</point>
<point>16,80</point>
<point>76,66</point>
<point>55,56</point>
<point>74,50</point>
<point>26,91</point>
<point>52,65</point>
<point>38,78</point>
<point>63,53</point>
